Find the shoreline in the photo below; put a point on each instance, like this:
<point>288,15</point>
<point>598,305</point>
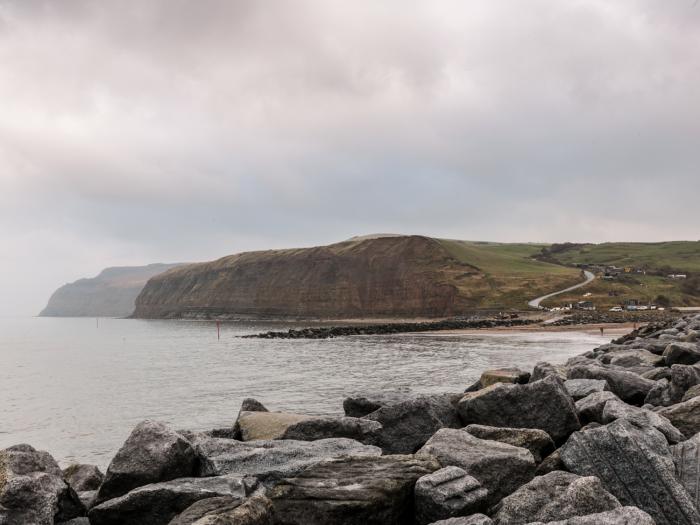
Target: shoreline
<point>616,329</point>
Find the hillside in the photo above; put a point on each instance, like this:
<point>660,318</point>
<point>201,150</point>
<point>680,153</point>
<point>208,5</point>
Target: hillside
<point>111,294</point>
<point>648,266</point>
<point>366,277</point>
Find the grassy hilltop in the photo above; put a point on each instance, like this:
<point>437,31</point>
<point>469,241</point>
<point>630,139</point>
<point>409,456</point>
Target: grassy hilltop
<point>655,260</point>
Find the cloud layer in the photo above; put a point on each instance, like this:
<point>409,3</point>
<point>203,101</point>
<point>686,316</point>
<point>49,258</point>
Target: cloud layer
<point>168,130</point>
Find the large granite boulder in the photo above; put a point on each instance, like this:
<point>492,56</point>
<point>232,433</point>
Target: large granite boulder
<point>362,430</point>
<point>158,503</point>
<point>83,477</point>
<point>364,403</point>
<point>501,468</point>
<point>635,465</point>
<point>32,490</point>
<point>351,491</point>
<point>254,426</point>
<point>682,354</point>
<point>686,457</point>
<point>616,409</point>
<point>684,416</point>
<point>447,493</point>
<point>633,358</point>
<point>152,453</point>
<point>407,425</point>
<point>620,516</point>
<point>554,496</point>
<point>271,459</point>
<point>580,388</point>
<point>503,375</point>
<point>249,404</point>
<point>543,404</point>
<point>590,408</point>
<point>227,510</point>
<point>536,441</point>
<point>627,385</point>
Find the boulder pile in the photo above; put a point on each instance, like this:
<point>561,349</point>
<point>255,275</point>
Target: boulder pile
<point>611,437</point>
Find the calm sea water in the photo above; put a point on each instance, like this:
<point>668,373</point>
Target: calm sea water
<point>76,389</point>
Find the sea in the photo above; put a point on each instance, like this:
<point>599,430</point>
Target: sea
<point>77,386</point>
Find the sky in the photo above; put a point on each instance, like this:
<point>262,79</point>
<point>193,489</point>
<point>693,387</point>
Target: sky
<point>138,131</point>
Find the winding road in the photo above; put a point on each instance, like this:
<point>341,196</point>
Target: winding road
<point>535,303</point>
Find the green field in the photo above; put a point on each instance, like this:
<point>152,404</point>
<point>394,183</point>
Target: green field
<point>657,260</point>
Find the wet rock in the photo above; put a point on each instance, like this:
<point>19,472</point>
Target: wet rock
<point>544,369</point>
<point>684,416</point>
<point>158,503</point>
<point>580,388</point>
<point>545,405</point>
<point>536,441</point>
<point>365,403</point>
<point>407,425</point>
<point>500,467</point>
<point>152,453</point>
<point>351,491</point>
<point>32,490</point>
<point>682,354</point>
<point>83,477</point>
<point>554,496</point>
<point>227,510</point>
<point>590,408</point>
<point>616,409</point>
<point>635,465</point>
<point>503,375</point>
<point>362,430</point>
<point>621,516</point>
<point>656,374</point>
<point>271,459</point>
<point>627,385</point>
<point>266,425</point>
<point>447,493</point>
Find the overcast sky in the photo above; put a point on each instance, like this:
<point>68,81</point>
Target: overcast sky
<point>136,131</point>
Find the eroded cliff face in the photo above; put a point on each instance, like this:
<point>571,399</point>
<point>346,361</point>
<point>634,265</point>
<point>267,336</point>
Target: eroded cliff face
<point>384,277</point>
<point>111,294</point>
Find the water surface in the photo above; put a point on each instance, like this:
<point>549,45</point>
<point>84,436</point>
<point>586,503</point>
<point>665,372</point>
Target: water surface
<point>76,387</point>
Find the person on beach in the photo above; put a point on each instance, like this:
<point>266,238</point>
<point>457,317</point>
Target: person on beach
<point>601,330</point>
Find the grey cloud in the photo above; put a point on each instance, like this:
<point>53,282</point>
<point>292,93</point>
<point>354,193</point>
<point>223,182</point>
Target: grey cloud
<point>147,130</point>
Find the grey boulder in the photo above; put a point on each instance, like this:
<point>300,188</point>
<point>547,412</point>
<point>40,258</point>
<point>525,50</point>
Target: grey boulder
<point>544,404</point>
<point>474,519</point>
<point>271,459</point>
<point>83,477</point>
<point>500,467</point>
<point>616,409</point>
<point>635,465</point>
<point>684,416</point>
<point>627,385</point>
<point>152,453</point>
<point>447,493</point>
<point>554,496</point>
<point>580,388</point>
<point>621,516</point>
<point>544,369</point>
<point>362,430</point>
<point>682,354</point>
<point>686,457</point>
<point>590,408</point>
<point>351,491</point>
<point>407,425</point>
<point>227,510</point>
<point>503,375</point>
<point>158,503</point>
<point>32,490</point>
<point>536,441</point>
<point>361,404</point>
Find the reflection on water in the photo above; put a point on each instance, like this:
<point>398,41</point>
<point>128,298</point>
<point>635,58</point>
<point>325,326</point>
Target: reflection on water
<point>76,389</point>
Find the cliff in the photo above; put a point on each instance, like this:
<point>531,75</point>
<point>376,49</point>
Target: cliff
<point>111,294</point>
<point>372,277</point>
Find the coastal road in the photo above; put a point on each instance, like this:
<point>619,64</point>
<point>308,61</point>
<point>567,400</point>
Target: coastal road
<point>535,303</point>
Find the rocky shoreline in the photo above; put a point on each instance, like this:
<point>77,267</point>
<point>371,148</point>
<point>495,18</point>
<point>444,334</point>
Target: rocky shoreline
<point>327,332</point>
<point>612,437</point>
